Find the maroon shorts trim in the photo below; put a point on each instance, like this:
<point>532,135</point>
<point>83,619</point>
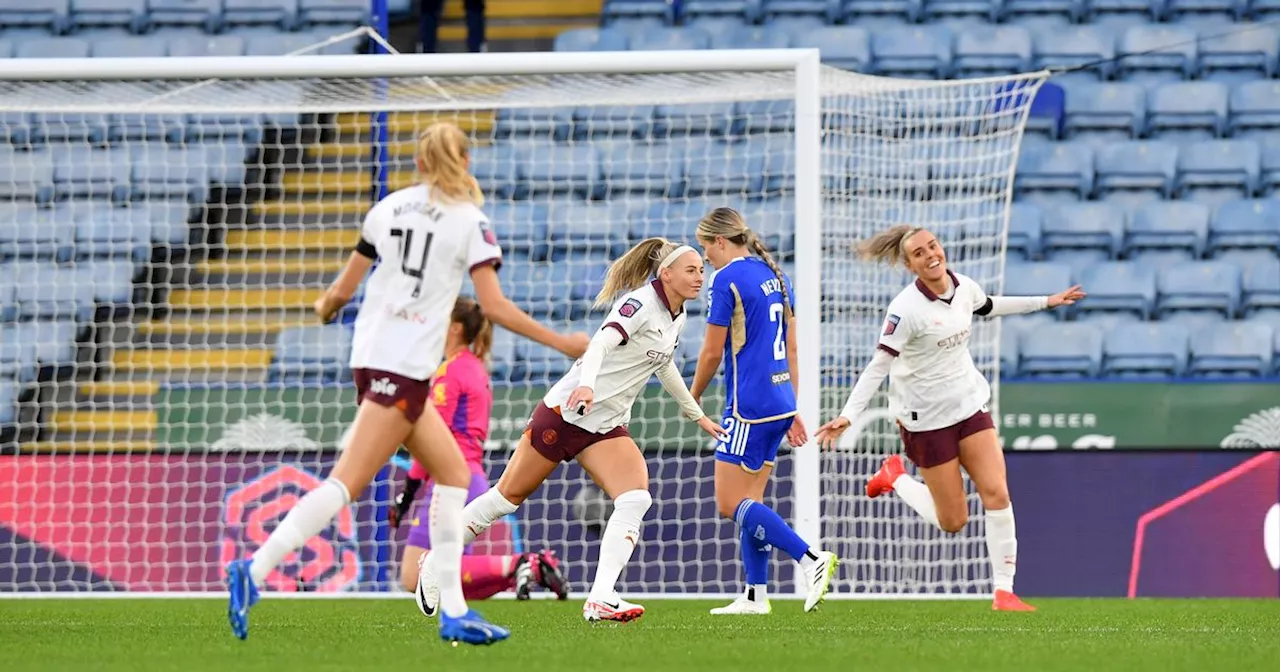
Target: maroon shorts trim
<point>393,391</point>
<point>560,441</point>
<point>940,446</point>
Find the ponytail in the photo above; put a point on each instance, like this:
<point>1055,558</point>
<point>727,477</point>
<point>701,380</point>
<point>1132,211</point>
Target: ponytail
<point>729,224</point>
<point>477,330</point>
<point>887,246</point>
<point>633,269</point>
<point>442,155</point>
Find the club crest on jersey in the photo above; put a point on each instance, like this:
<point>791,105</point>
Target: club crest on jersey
<point>891,324</point>
<point>629,308</point>
<point>487,233</point>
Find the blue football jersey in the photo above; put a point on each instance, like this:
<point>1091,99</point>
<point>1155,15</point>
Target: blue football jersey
<point>746,298</point>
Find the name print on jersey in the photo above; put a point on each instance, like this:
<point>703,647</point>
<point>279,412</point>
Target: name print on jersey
<point>418,207</point>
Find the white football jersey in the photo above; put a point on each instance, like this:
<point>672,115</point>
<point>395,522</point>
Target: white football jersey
<point>425,248</point>
<point>650,333</point>
<point>933,382</point>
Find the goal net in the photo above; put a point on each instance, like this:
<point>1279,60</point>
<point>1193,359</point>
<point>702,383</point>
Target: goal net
<point>166,394</point>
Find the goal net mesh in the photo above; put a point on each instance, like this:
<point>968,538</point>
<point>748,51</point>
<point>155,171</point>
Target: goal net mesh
<point>166,394</point>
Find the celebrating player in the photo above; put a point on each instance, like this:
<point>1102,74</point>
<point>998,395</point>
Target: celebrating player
<point>940,398</point>
<point>750,327</point>
<point>462,395</point>
<point>584,415</point>
<point>427,236</point>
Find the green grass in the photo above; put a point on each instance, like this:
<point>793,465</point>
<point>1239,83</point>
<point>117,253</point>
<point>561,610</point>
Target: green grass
<point>1091,635</point>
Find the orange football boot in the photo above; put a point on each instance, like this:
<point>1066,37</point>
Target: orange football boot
<point>889,472</point>
<point>1007,601</point>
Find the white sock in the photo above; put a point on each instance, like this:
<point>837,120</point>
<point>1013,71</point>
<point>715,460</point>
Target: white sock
<point>306,519</point>
<point>446,546</point>
<point>758,593</point>
<point>481,512</point>
<point>808,560</point>
<point>1002,547</point>
<point>620,537</point>
<point>917,496</point>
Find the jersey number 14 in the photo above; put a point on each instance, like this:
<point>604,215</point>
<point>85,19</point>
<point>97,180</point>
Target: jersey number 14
<point>406,250</point>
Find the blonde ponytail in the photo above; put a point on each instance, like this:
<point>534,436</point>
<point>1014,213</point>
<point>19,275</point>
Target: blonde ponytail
<point>442,155</point>
<point>633,269</point>
<point>887,246</point>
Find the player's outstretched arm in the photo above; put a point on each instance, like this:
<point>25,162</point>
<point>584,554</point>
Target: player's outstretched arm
<point>996,306</point>
<point>673,383</point>
<point>708,359</point>
<point>344,287</point>
<point>500,310</point>
<point>868,382</point>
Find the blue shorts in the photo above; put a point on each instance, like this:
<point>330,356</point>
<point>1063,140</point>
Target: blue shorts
<point>752,446</point>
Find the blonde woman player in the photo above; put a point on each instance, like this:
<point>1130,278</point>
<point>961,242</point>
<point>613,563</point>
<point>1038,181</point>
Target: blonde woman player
<point>940,398</point>
<point>427,236</point>
<point>584,416</point>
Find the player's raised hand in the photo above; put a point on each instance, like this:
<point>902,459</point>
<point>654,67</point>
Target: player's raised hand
<point>1067,296</point>
<point>574,345</point>
<point>327,306</point>
<point>797,435</point>
<point>580,400</point>
<point>714,429</point>
<point>830,432</point>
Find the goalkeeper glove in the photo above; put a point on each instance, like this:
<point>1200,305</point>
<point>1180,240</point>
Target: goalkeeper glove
<point>400,507</point>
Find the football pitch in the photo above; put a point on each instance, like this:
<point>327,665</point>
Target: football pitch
<point>1093,635</point>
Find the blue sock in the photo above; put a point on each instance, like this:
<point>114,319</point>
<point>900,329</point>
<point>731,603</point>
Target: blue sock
<point>755,557</point>
<point>761,522</point>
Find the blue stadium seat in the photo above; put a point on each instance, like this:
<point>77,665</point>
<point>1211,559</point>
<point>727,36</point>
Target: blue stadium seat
<point>1071,350</point>
<point>168,173</point>
<point>9,393</point>
<point>670,219</point>
<point>129,14</point>
<point>102,231</point>
<point>55,128</point>
<point>751,37</point>
<point>626,9</point>
<point>205,14</point>
<point>773,220</point>
<point>1202,286</point>
<point>1048,109</point>
<point>280,44</point>
<point>26,175</point>
<point>521,228</point>
<point>744,10</point>
<point>1119,286</point>
<point>1270,146</point>
<point>1156,53</point>
<point>918,51</point>
<point>15,128</point>
<point>1037,279</point>
<point>278,13</point>
<point>765,116</point>
<point>208,127</point>
<point>213,45</point>
<point>576,227</point>
<point>1237,55</point>
<point>502,356</point>
<point>698,119</point>
<point>537,364</point>
<point>327,12</point>
<point>614,122</point>
<point>1009,353</point>
<point>53,15</point>
<point>864,11</point>
<point>1254,108</point>
<point>129,47</point>
<point>1136,167</point>
<point>642,168</point>
<point>168,220</point>
<point>1187,111</point>
<point>1261,285</point>
<point>591,39</point>
<point>1145,350</point>
<point>1025,222</point>
<point>555,123</point>
<point>1104,113</point>
<point>669,39</point>
<point>1076,46</point>
<point>1089,226</point>
<point>1245,224</point>
<point>1232,349</point>
<point>846,47</point>
<point>990,50</point>
<point>560,170</point>
<point>724,167</point>
<point>53,47</point>
<point>1052,12</point>
<point>313,354</point>
<point>1218,170</point>
<point>987,11</point>
<point>530,284</point>
<point>1220,11</point>
<point>28,232</point>
<point>1058,169</point>
<point>83,172</point>
<point>494,167</point>
<point>825,10</point>
<point>8,305</point>
<point>690,346</point>
<point>17,355</point>
<point>112,280</point>
<point>49,292</point>
<point>168,128</point>
<point>225,161</point>
<point>1169,226</point>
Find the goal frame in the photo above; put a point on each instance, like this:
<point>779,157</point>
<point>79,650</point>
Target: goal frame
<point>805,65</point>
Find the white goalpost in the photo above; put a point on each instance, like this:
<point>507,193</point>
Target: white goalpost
<point>165,224</point>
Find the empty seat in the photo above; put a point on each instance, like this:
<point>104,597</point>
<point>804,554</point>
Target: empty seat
<point>1156,53</point>
<point>670,219</point>
<point>53,15</point>
<point>1136,167</point>
<point>129,47</point>
<point>1238,55</point>
<point>614,122</point>
<point>1044,11</point>
<point>1254,108</point>
<point>642,168</point>
<point>1234,349</point>
<point>991,50</point>
<point>176,172</point>
<point>278,13</point>
<point>554,123</point>
<point>521,228</point>
<point>751,37</point>
<point>54,47</point>
<point>960,10</point>
<point>1037,279</point>
<point>502,354</point>
<point>1145,350</point>
<point>1105,112</point>
<point>1095,226</point>
<point>1025,222</point>
<point>1185,111</point>
<point>669,39</point>
<point>773,220</point>
<point>1261,284</point>
<point>1119,286</point>
<point>1064,349</point>
<point>1269,144</point>
<point>104,231</point>
<point>661,10</point>
<point>918,51</point>
<point>206,14</point>
<point>130,14</point>
<point>1074,47</point>
<point>697,119</point>
<point>765,116</point>
<point>591,39</point>
<point>112,280</point>
<point>846,47</point>
<point>1219,170</point>
<point>494,167</point>
<point>576,227</point>
<point>1065,168</point>
<point>49,292</point>
<point>311,354</point>
<point>533,286</point>
<point>26,175</point>
<point>1203,286</point>
<point>213,45</point>
<point>570,170</point>
<point>1169,226</point>
<point>28,232</point>
<point>880,11</point>
<point>1245,224</point>
<point>92,173</point>
<point>537,364</point>
<point>326,12</point>
<point>18,359</point>
<point>725,167</point>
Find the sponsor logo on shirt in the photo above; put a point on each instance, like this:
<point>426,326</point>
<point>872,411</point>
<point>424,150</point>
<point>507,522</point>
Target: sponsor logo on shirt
<point>629,308</point>
<point>383,386</point>
<point>954,340</point>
